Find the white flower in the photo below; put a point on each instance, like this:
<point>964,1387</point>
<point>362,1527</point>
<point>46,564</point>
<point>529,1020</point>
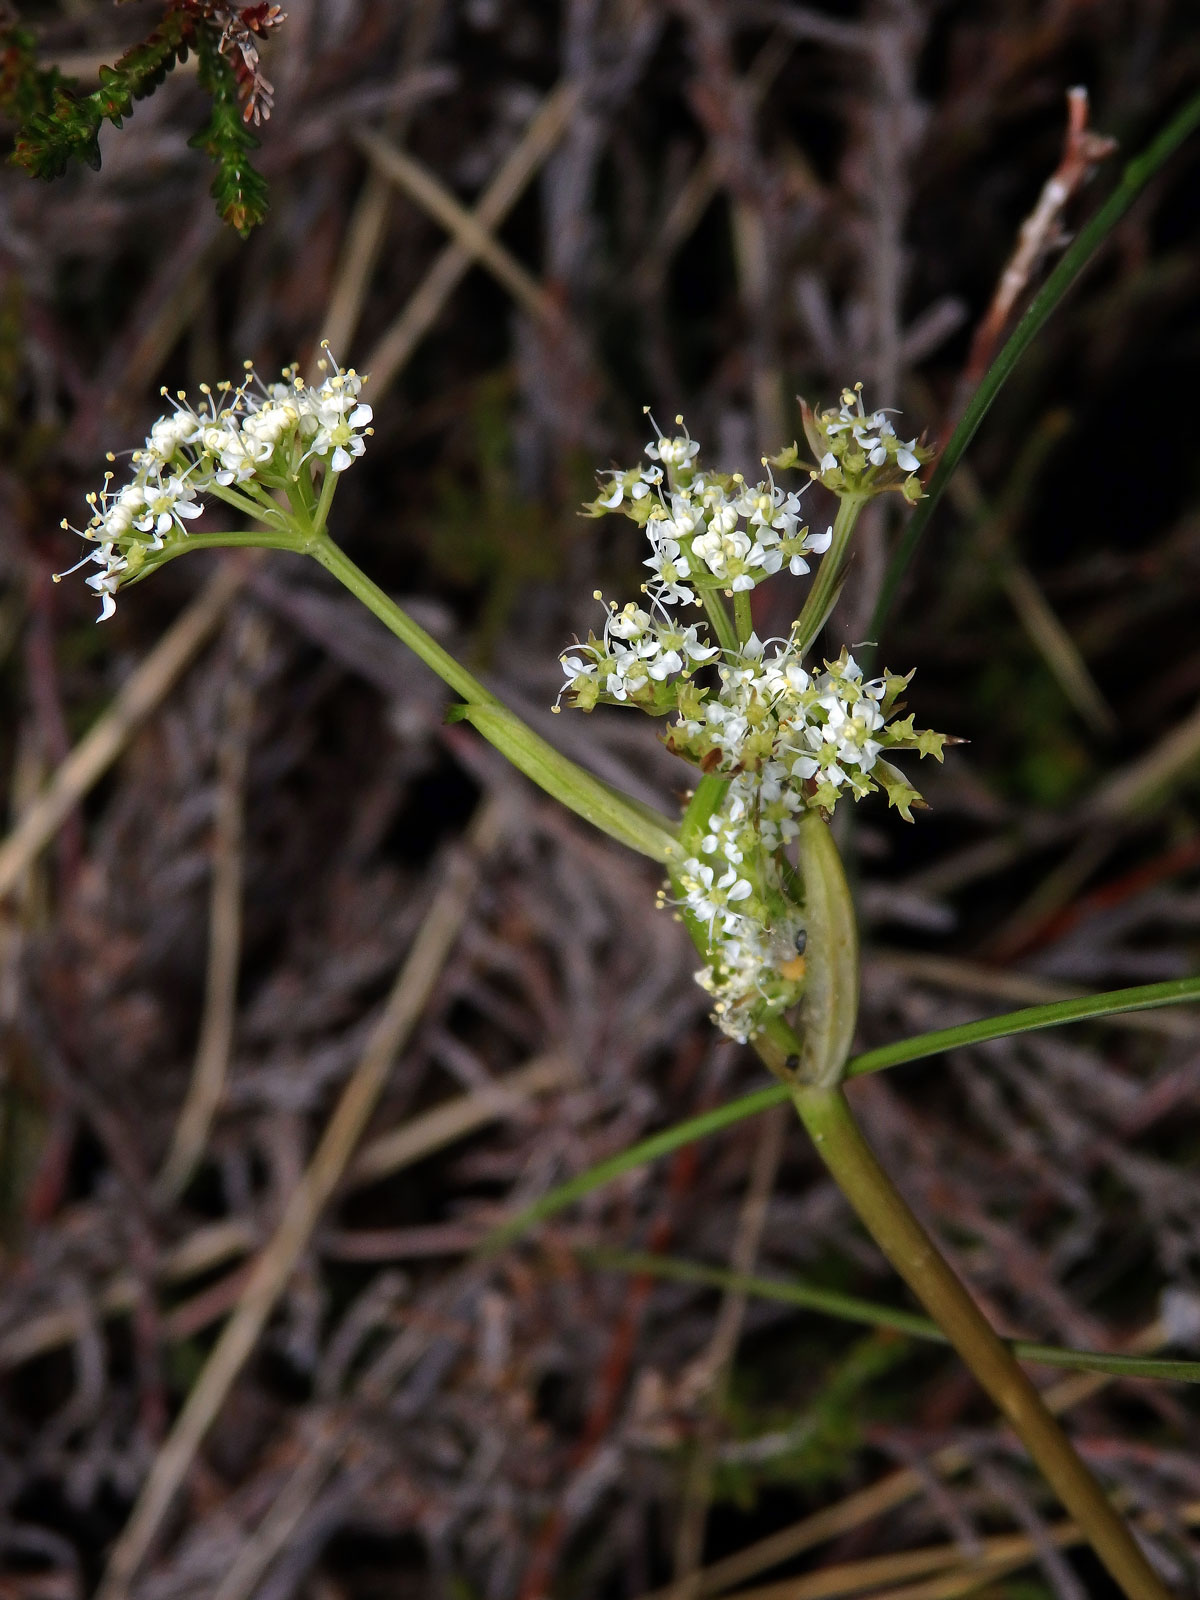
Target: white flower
<point>167,505</point>
<point>673,452</point>
<point>670,565</point>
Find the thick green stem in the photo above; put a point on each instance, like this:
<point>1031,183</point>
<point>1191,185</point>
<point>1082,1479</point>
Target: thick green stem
<point>886,1216</point>
<point>742,615</point>
<point>722,624</point>
<point>827,584</point>
<point>394,617</point>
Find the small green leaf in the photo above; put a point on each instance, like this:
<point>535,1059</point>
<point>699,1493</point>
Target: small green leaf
<point>895,785</point>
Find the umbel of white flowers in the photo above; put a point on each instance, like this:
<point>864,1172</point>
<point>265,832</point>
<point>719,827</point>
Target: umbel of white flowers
<point>787,735</point>
<point>238,445</point>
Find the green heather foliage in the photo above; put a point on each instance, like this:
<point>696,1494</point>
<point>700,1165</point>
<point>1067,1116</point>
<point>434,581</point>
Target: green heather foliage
<point>55,125</point>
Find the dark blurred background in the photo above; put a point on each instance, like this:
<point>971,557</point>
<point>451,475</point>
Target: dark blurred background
<point>709,207</point>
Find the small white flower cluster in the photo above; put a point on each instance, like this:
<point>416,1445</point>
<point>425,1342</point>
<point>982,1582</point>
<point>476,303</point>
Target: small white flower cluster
<point>858,452</point>
<point>238,445</point>
<point>635,658</point>
<point>784,737</point>
<point>773,718</point>
<point>712,529</point>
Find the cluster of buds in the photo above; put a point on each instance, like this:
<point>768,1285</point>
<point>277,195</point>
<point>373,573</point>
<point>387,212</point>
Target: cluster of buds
<point>786,736</point>
<point>239,445</point>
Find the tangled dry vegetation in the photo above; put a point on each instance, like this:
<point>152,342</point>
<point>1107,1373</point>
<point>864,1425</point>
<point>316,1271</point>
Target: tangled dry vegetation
<point>302,990</point>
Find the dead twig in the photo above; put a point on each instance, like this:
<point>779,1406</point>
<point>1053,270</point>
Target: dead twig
<point>1040,234</point>
<point>270,1274</point>
<point>462,224</point>
<point>224,922</point>
<point>393,350</point>
<point>98,749</point>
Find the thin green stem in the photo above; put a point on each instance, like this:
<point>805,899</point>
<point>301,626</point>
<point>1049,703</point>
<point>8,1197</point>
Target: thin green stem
<point>249,539</point>
<point>885,1214</point>
<point>638,826</point>
<point>395,618</point>
<point>233,539</point>
<point>257,505</point>
<point>827,584</point>
<point>328,484</point>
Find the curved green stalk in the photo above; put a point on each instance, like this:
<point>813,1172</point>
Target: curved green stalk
<point>640,827</point>
<point>397,620</point>
<point>1136,176</point>
<point>852,1308</point>
<point>886,1216</point>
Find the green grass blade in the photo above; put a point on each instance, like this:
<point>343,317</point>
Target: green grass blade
<point>637,1155</point>
<point>1136,176</point>
<point>1145,997</point>
<point>1091,1007</point>
<point>852,1309</point>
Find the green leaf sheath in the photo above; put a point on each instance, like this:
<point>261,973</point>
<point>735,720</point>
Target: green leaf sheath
<point>1087,242</point>
<point>829,1010</point>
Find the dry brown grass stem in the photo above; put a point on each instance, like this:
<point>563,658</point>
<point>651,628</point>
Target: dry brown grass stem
<point>273,1268</point>
<point>462,224</point>
<point>224,921</point>
<point>392,351</point>
<point>142,694</point>
<point>948,1574</point>
<point>857,1509</point>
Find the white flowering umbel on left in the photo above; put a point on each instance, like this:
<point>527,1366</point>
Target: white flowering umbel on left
<point>242,445</point>
<point>776,736</point>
